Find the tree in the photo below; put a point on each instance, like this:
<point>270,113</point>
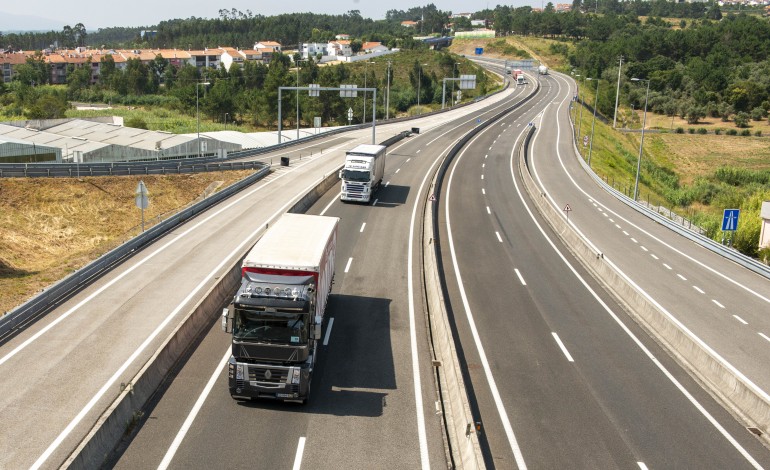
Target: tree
<point>78,79</point>
<point>48,106</point>
<point>106,69</point>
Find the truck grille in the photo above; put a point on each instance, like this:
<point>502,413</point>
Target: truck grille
<point>354,189</point>
<point>275,376</point>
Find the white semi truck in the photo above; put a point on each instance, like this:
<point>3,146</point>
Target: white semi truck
<point>276,316</point>
<point>363,171</point>
<point>542,70</point>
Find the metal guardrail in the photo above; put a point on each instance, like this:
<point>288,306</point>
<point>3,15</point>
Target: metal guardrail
<point>75,282</point>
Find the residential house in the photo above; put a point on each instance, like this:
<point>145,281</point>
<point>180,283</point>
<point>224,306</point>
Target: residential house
<point>371,47</point>
<point>563,7</point>
<point>409,24</point>
<point>230,56</point>
<point>342,37</point>
<point>206,58</point>
<point>312,49</point>
<point>10,60</point>
<point>340,48</point>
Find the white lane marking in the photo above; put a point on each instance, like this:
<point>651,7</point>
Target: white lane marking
<point>347,266</point>
<point>506,422</point>
<point>482,176</point>
<point>613,221</point>
<point>642,466</point>
<point>483,191</point>
<point>625,233</point>
<point>485,156</point>
<point>490,147</point>
<point>418,404</point>
<point>740,319</point>
<point>362,227</point>
<point>386,184</point>
<point>563,348</point>
<point>667,266</point>
<point>488,211</point>
<point>699,289</point>
<point>483,165</point>
<point>653,256</point>
<point>643,247</point>
<point>375,202</point>
<point>180,435</point>
<point>155,253</point>
<point>521,279</point>
<point>328,331</point>
<point>718,304</point>
<point>605,214</point>
<point>298,455</point>
<point>681,277</point>
<point>616,225</point>
<point>417,151</point>
<point>328,206</point>
<point>764,336</point>
<point>498,237</point>
<point>635,286</point>
<point>634,240</point>
<point>399,169</point>
<point>407,160</point>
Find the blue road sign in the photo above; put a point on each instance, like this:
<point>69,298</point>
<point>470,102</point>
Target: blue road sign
<point>730,220</point>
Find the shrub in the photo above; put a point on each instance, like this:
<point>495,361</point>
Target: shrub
<point>679,130</point>
<point>717,131</point>
<point>742,119</point>
<point>745,133</point>
<point>136,122</point>
<point>758,133</point>
<point>758,113</point>
<point>702,131</point>
<point>732,132</point>
<point>691,130</point>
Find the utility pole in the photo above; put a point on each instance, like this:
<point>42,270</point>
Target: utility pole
<point>617,95</point>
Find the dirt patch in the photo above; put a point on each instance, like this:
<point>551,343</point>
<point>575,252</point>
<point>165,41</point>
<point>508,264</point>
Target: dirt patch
<point>50,227</point>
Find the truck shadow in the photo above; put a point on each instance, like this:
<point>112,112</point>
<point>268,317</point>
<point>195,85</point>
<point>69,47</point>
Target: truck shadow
<point>392,196</point>
<point>355,371</point>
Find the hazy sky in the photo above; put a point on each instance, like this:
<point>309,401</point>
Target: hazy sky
<point>103,13</point>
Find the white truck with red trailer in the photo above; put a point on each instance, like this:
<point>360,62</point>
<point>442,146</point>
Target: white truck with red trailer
<point>276,316</point>
<point>519,76</point>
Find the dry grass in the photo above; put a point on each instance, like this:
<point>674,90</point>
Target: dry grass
<point>50,227</point>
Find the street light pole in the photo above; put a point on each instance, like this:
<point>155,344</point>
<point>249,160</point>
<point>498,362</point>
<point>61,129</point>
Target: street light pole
<point>297,64</point>
<point>617,95</point>
<point>454,67</point>
<point>419,82</point>
<point>580,120</point>
<point>593,123</point>
<point>226,114</point>
<point>387,97</point>
<point>198,114</point>
<point>641,142</point>
<point>366,74</point>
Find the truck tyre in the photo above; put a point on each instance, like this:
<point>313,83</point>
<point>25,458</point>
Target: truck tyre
<point>307,397</point>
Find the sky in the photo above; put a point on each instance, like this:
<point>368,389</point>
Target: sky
<point>54,14</point>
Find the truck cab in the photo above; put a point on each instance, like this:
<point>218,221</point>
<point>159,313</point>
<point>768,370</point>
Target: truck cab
<point>362,174</point>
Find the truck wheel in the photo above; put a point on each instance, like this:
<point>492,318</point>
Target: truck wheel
<point>307,397</point>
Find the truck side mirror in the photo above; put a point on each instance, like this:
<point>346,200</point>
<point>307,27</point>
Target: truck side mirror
<point>339,175</point>
<point>227,321</point>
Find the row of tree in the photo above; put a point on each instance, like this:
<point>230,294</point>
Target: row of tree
<point>247,93</point>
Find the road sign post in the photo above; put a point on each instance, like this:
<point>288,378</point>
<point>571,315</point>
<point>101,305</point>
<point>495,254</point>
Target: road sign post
<point>142,199</point>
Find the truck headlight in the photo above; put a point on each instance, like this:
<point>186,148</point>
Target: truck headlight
<point>239,372</point>
<point>295,376</point>
<point>230,370</point>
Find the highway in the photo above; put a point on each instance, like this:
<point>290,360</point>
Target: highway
<point>81,353</point>
<point>561,375</point>
<point>363,412</point>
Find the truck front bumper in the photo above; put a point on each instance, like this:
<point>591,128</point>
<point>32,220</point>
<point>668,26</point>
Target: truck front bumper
<point>268,381</point>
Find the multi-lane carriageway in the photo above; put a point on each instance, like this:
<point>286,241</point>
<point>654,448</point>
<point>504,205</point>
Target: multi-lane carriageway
<point>559,375</point>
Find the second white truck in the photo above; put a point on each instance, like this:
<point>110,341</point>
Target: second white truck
<point>363,171</point>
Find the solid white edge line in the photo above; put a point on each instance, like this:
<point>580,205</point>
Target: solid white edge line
<point>521,278</point>
<point>362,227</point>
<point>375,202</point>
<point>764,335</point>
<point>328,331</point>
<point>298,455</point>
<point>347,266</point>
<point>673,319</point>
<point>740,319</point>
<point>180,435</point>
<point>328,206</point>
<point>498,236</point>
<point>562,347</point>
<point>503,415</point>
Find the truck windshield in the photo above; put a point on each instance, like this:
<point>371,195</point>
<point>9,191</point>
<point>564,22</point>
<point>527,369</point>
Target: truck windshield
<point>355,175</point>
<point>251,325</point>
